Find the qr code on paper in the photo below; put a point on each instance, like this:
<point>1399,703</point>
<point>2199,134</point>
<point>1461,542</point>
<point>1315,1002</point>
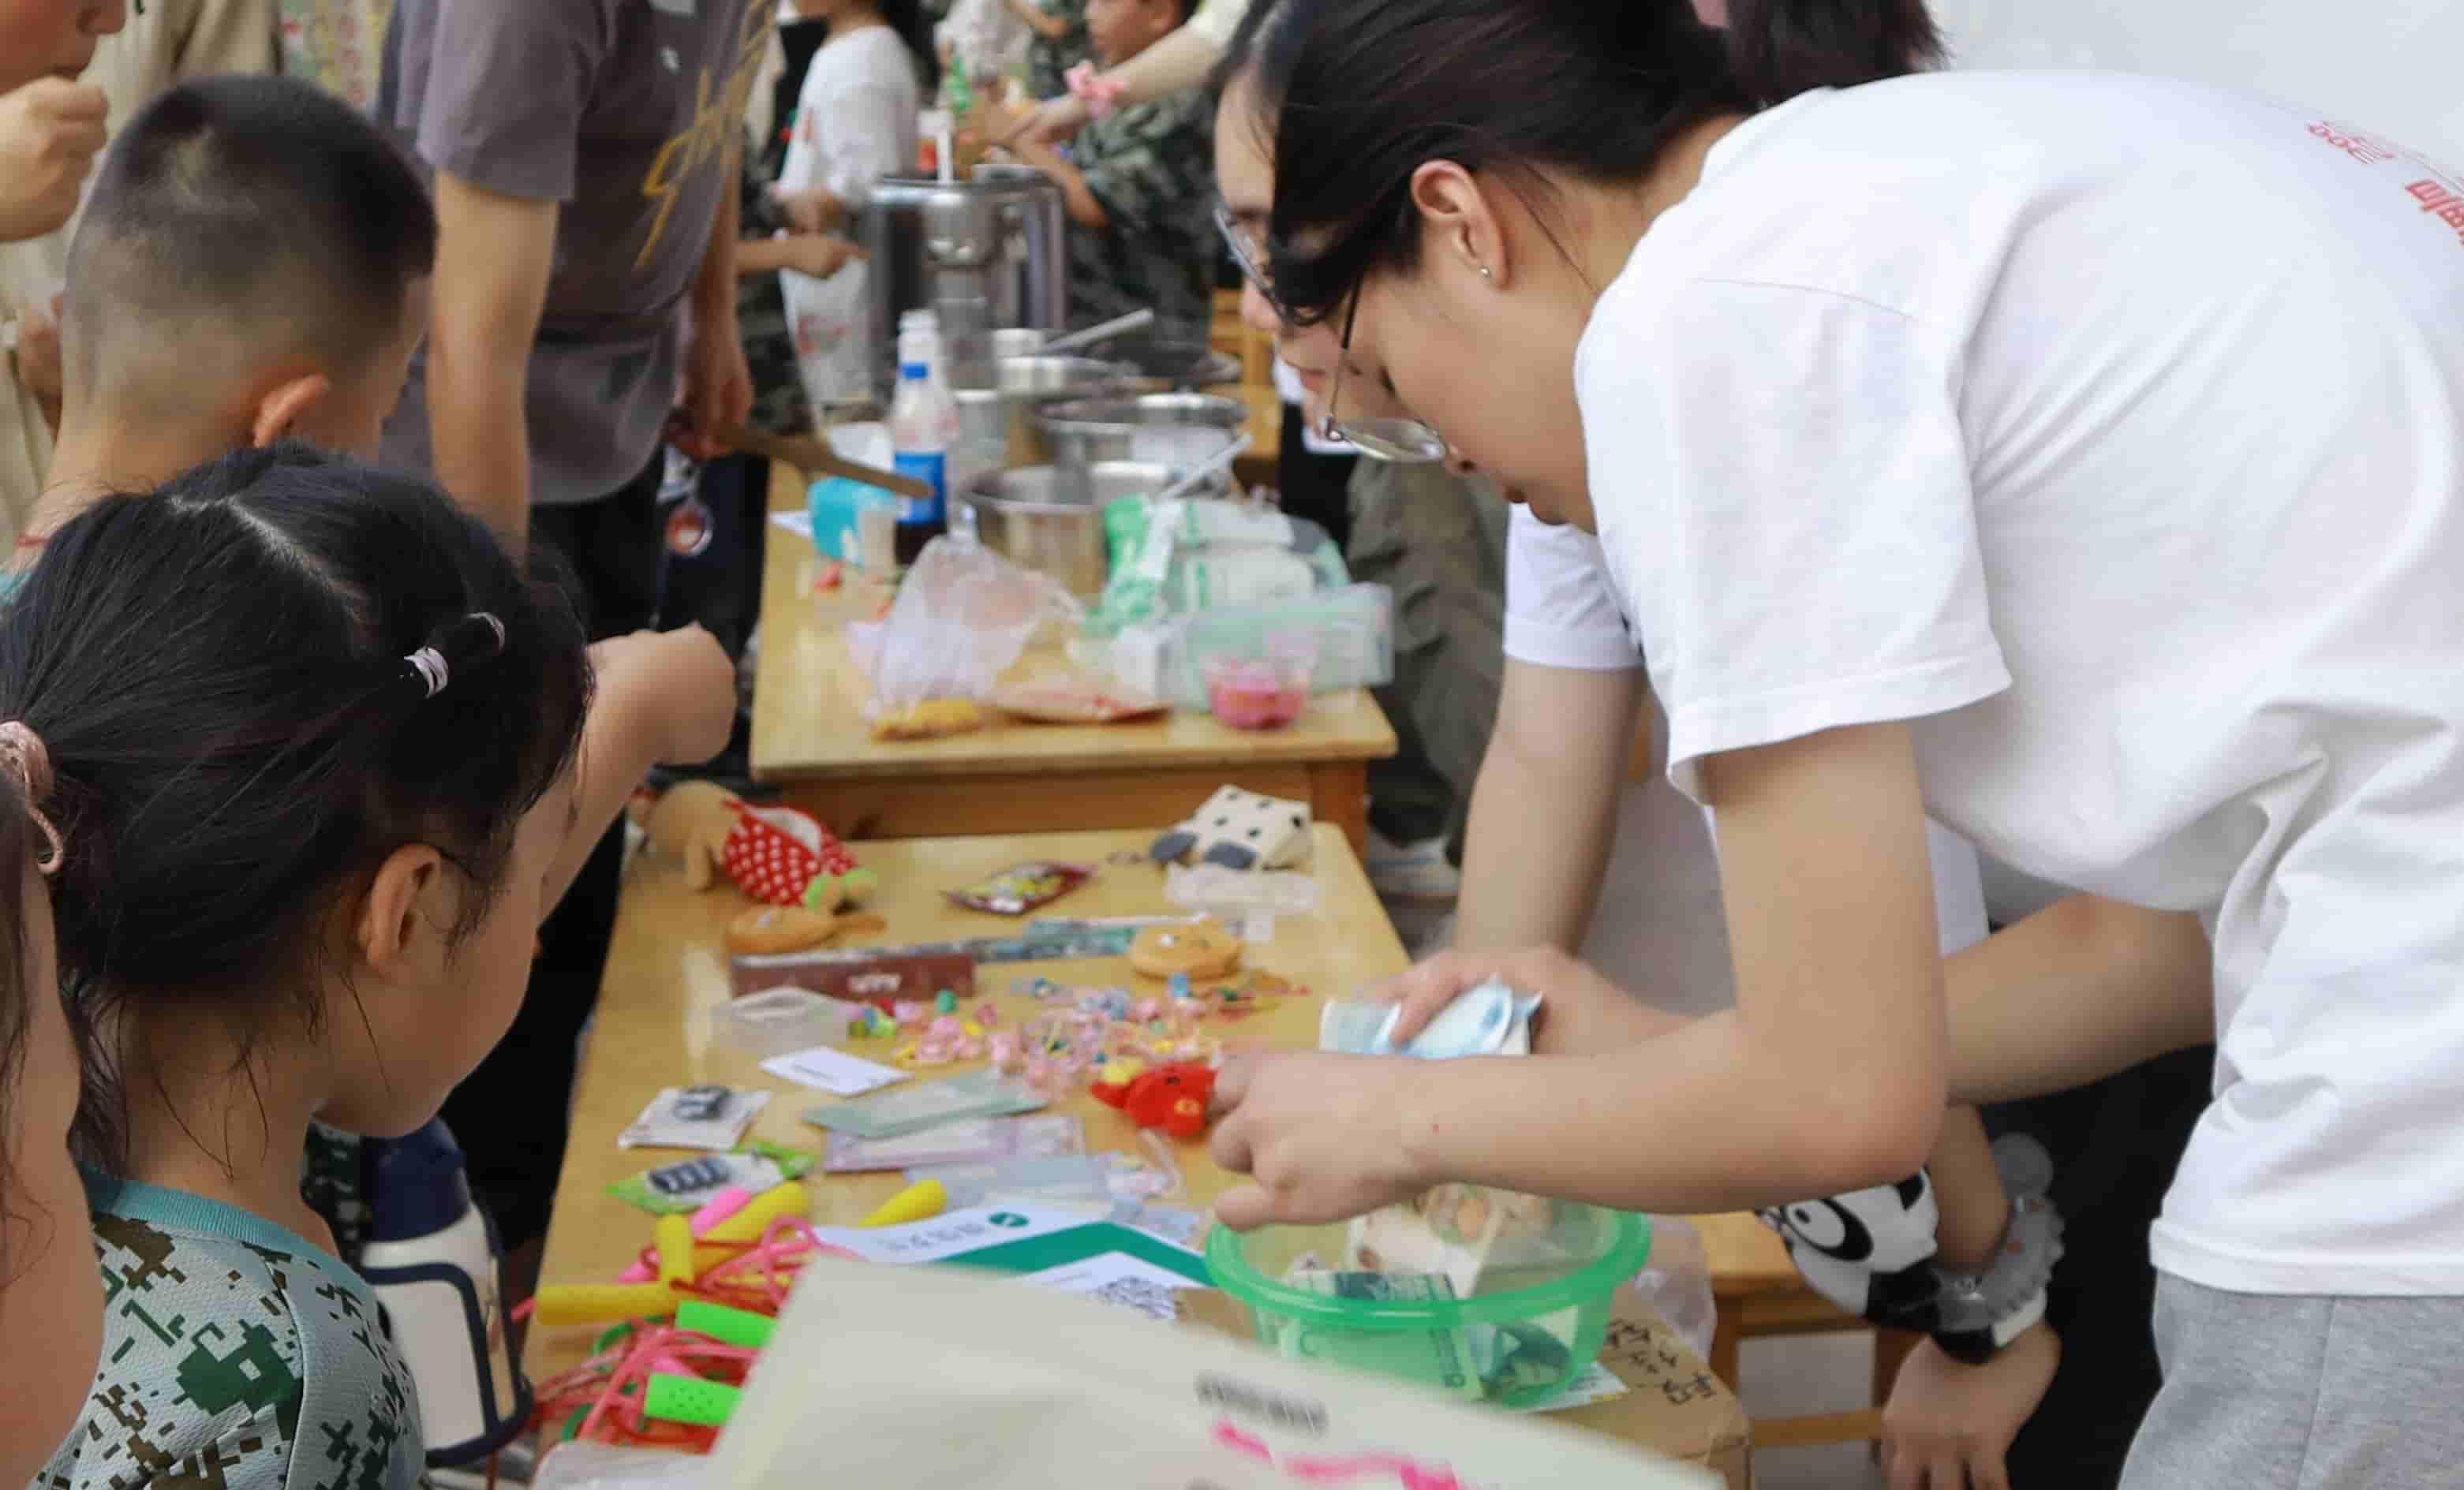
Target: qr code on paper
<point>1149,1297</point>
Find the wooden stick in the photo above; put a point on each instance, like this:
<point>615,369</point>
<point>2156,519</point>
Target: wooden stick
<point>815,458</point>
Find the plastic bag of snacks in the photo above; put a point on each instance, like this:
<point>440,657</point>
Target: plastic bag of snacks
<point>1182,557</point>
<point>962,616</point>
<point>950,1378</point>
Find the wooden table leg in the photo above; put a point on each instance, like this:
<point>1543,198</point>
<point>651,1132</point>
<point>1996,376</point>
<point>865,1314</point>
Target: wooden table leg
<point>1339,794</point>
<point>1725,1340</point>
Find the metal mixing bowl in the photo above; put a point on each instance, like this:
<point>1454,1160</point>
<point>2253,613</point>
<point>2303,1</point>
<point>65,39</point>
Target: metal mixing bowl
<point>1030,517</point>
<point>1173,430</point>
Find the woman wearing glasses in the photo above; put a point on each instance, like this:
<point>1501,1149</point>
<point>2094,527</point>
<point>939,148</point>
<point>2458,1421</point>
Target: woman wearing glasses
<point>2077,456</point>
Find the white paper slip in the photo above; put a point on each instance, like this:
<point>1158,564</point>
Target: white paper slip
<point>831,1069</point>
<point>1118,1279</point>
<point>801,524</point>
<point>1595,1383</point>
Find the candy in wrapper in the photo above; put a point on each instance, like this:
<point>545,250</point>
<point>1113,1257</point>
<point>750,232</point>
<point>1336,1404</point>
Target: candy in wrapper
<point>1023,887</point>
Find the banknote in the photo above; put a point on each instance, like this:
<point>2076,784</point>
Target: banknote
<point>1450,1231</point>
<point>922,1104</point>
<point>1044,1135</point>
<point>1439,1358</point>
<point>1491,1019</point>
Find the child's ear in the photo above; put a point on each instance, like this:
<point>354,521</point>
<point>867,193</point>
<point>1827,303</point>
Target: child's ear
<point>403,910</point>
<point>285,405</point>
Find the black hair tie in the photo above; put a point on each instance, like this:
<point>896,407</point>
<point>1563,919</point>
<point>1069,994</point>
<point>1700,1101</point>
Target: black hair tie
<point>460,643</point>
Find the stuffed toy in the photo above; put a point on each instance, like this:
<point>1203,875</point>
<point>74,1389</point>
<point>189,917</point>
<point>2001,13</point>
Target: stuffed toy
<point>693,820</point>
<point>1239,830</point>
<point>1170,1096</point>
<point>784,857</point>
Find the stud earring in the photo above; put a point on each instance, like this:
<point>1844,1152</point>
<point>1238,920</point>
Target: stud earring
<point>1485,273</point>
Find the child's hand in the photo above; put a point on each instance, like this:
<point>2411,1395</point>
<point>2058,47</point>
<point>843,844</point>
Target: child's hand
<point>49,133</point>
<point>814,210</point>
<point>679,686</point>
<point>1581,1013</point>
<point>1950,1426</point>
<point>818,254</point>
<point>38,360</point>
<point>1318,1135</point>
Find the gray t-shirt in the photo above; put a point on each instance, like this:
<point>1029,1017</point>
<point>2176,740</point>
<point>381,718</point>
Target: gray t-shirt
<point>625,111</point>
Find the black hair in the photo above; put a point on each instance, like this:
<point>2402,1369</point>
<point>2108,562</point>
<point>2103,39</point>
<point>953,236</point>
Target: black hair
<point>19,989</point>
<point>915,27</point>
<point>248,203</point>
<point>238,736</point>
<point>1361,92</point>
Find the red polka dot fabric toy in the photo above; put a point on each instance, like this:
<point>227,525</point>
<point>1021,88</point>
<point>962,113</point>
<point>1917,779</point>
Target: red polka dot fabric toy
<point>784,857</point>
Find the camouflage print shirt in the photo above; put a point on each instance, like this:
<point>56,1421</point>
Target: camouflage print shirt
<point>778,406</point>
<point>1153,167</point>
<point>1050,57</point>
<point>236,1356</point>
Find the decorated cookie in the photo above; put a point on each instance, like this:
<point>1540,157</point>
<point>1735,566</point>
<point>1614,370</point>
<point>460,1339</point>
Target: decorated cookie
<point>766,930</point>
<point>1197,949</point>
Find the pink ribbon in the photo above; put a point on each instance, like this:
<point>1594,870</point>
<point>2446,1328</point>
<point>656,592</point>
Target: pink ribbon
<point>1100,94</point>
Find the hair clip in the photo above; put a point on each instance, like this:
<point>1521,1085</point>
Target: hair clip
<point>25,758</point>
<point>429,664</point>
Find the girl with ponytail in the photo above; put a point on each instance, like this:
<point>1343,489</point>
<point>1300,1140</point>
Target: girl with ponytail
<point>2073,457</point>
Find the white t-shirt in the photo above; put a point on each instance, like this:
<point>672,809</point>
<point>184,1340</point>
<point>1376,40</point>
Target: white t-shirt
<point>1660,927</point>
<point>2110,429</point>
<point>855,116</point>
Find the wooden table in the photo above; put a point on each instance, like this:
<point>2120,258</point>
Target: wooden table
<point>810,739</point>
<point>666,970</point>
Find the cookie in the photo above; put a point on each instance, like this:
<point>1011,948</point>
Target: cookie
<point>1202,950</point>
<point>930,719</point>
<point>768,930</point>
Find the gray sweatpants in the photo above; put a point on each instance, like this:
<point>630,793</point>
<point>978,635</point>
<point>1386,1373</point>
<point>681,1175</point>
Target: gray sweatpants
<point>2276,1392</point>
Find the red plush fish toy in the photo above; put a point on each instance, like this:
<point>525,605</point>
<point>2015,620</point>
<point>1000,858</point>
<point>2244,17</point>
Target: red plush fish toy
<point>1170,1096</point>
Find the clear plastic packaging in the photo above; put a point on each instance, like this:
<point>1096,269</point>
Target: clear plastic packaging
<point>1352,630</point>
<point>961,618</point>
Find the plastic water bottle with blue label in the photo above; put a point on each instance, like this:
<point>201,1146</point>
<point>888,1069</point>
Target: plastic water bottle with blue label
<point>923,428</point>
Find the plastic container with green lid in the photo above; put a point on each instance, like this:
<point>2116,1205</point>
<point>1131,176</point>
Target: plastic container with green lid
<point>1520,1340</point>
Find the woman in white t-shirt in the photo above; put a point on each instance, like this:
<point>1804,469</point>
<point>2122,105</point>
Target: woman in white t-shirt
<point>2078,457</point>
<point>856,120</point>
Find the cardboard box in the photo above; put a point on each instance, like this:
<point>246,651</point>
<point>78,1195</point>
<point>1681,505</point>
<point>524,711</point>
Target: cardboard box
<point>1676,1407</point>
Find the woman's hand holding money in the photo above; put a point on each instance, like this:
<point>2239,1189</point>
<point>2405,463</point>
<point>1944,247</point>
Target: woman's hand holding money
<point>1581,1013</point>
<point>1322,1137</point>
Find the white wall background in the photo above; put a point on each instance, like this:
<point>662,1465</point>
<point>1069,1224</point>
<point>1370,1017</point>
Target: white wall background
<point>2393,66</point>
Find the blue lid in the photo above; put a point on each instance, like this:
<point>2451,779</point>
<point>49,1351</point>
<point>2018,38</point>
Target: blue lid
<point>417,1184</point>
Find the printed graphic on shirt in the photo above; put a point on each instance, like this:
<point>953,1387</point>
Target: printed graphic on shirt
<point>2439,191</point>
<point>718,123</point>
<point>228,1366</point>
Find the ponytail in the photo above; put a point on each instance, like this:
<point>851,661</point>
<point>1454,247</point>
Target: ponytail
<point>1781,48</point>
<point>915,27</point>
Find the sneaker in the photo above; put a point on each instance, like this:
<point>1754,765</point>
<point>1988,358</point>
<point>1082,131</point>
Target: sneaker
<point>1416,876</point>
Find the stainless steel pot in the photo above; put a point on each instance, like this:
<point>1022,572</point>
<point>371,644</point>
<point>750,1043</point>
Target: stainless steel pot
<point>1028,517</point>
<point>1171,429</point>
<point>996,421</point>
<point>1168,366</point>
<point>983,253</point>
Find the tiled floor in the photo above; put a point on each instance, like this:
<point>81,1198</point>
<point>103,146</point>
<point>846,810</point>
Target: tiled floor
<point>1810,1373</point>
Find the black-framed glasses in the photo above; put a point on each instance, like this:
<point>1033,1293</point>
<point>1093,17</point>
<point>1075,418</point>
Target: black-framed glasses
<point>1406,442</point>
<point>1401,442</point>
<point>1250,254</point>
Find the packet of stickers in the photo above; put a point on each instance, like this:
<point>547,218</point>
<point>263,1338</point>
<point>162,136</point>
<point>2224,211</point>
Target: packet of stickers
<point>1476,1236</point>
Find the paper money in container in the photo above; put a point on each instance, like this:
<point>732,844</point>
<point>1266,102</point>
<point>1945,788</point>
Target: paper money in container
<point>1482,1292</point>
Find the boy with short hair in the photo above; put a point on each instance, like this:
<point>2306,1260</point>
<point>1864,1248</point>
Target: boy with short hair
<point>252,264</point>
<point>1138,183</point>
